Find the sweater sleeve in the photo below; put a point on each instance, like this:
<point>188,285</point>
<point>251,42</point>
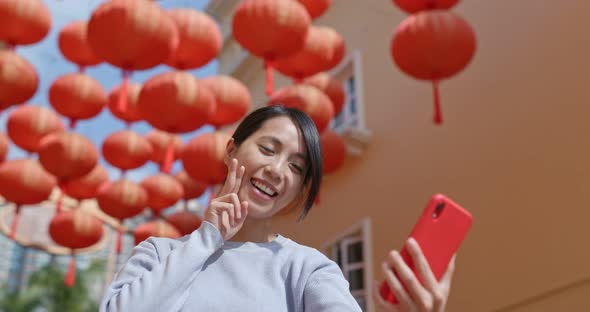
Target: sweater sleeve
<point>326,290</point>
<point>153,281</point>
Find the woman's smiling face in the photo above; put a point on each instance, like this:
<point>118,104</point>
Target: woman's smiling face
<point>275,161</point>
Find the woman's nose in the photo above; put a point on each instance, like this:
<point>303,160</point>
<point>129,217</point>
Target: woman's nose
<point>274,170</point>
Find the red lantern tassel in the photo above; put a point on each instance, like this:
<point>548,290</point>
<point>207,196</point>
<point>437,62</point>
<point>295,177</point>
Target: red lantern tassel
<point>437,109</point>
<point>71,275</point>
<point>269,78</point>
<point>119,240</point>
<point>123,93</point>
<point>14,224</point>
<point>60,200</point>
<point>73,123</point>
<point>81,69</point>
<point>168,157</point>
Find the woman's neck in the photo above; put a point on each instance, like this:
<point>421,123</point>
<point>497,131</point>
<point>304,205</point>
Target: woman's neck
<point>255,230</point>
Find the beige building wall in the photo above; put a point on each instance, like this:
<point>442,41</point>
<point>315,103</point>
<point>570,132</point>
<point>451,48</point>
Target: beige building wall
<point>514,150</point>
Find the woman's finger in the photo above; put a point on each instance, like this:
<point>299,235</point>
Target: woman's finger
<point>230,180</point>
<point>224,208</point>
<point>225,225</point>
<point>237,207</point>
<point>422,266</point>
<point>447,278</point>
<point>381,303</point>
<point>395,286</point>
<point>244,211</point>
<point>419,295</point>
<point>239,178</point>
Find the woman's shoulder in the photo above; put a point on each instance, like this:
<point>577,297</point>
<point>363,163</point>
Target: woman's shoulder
<point>308,256</point>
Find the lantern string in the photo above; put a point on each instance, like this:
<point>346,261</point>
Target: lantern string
<point>437,108</point>
<point>269,78</point>
<point>14,224</point>
<point>168,156</point>
<point>119,240</point>
<point>60,199</point>
<point>123,92</point>
<point>71,275</point>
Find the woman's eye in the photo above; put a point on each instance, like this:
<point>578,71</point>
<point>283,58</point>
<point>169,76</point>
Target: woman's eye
<point>297,168</point>
<point>266,150</point>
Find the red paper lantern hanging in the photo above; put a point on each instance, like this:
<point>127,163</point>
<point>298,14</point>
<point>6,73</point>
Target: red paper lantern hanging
<point>308,99</point>
<point>23,21</point>
<point>270,29</point>
<point>324,48</point>
<point>28,124</point>
<point>121,36</point>
<point>203,157</point>
<point>67,155</point>
<point>129,113</point>
<point>232,99</point>
<point>191,187</point>
<point>3,146</point>
<point>415,6</point>
<point>18,79</point>
<point>200,39</point>
<point>73,44</point>
<point>166,148</point>
<point>126,150</point>
<point>316,8</point>
<point>333,151</point>
<point>87,186</point>
<point>433,45</point>
<point>77,96</point>
<point>176,102</point>
<point>157,228</point>
<point>75,229</point>
<point>185,222</point>
<point>24,182</point>
<point>163,191</point>
<point>332,87</point>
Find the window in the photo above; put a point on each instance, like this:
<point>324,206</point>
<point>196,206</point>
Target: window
<point>352,115</point>
<point>351,250</point>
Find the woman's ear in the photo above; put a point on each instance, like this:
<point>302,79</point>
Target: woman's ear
<point>230,151</point>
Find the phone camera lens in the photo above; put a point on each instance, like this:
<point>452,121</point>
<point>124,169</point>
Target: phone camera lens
<point>438,210</point>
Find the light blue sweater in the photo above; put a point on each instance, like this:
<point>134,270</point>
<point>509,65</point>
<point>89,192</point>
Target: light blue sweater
<point>199,272</point>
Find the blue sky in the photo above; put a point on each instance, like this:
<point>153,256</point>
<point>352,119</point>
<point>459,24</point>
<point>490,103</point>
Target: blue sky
<point>50,64</point>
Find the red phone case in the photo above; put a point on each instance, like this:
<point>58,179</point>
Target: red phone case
<point>439,232</point>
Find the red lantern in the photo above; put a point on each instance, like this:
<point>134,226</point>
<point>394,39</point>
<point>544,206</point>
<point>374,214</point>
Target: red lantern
<point>203,157</point>
<point>77,96</point>
<point>185,222</point>
<point>67,155</point>
<point>18,79</point>
<point>129,113</point>
<point>156,228</point>
<point>24,182</point>
<point>3,147</point>
<point>332,87</point>
<point>87,186</point>
<point>73,44</point>
<point>200,39</point>
<point>333,151</point>
<point>75,229</point>
<point>163,191</point>
<point>433,45</point>
<point>176,102</point>
<point>166,147</point>
<point>192,188</point>
<point>324,48</point>
<point>316,8</point>
<point>28,124</point>
<point>121,36</point>
<point>23,21</point>
<point>415,6</point>
<point>232,99</point>
<point>308,99</point>
<point>126,150</point>
<point>270,29</point>
<point>122,199</point>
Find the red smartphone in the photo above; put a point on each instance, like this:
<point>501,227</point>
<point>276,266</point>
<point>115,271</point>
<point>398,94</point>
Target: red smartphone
<point>439,232</point>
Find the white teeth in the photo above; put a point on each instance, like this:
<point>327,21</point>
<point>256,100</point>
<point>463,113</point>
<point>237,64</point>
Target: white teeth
<point>265,189</point>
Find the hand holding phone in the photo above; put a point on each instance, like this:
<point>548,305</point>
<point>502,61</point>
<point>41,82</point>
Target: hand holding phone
<point>438,234</point>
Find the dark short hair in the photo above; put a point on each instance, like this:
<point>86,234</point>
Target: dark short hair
<point>311,137</point>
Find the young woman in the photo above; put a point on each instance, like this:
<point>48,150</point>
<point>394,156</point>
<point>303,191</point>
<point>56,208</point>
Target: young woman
<point>236,261</point>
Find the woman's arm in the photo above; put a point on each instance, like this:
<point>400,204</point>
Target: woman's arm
<point>158,273</point>
<point>326,290</point>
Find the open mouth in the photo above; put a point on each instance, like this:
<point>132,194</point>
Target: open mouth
<point>263,188</point>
